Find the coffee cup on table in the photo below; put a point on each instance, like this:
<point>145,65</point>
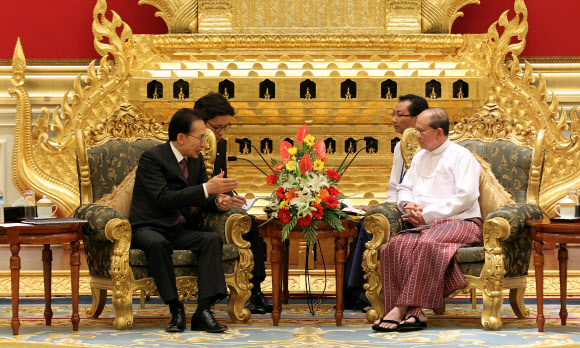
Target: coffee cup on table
<point>566,208</point>
<point>45,208</point>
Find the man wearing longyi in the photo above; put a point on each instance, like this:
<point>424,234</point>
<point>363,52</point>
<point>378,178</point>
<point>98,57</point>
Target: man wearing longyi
<point>171,178</point>
<point>439,197</point>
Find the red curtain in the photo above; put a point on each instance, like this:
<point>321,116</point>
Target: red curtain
<point>62,29</point>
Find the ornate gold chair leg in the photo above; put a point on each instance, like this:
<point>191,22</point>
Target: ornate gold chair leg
<point>473,294</point>
<point>517,303</point>
<point>142,299</point>
<point>99,300</point>
<point>123,303</point>
<point>237,305</point>
<point>490,317</point>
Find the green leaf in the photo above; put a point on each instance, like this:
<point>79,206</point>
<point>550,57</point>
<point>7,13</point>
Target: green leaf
<point>287,228</point>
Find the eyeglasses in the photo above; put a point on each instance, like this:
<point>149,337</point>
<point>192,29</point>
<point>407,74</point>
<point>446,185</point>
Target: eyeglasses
<point>393,115</point>
<point>219,129</point>
<point>200,138</point>
<point>419,133</point>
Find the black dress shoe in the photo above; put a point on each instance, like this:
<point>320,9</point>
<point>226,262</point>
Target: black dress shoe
<point>265,303</point>
<point>177,323</point>
<point>255,305</point>
<point>205,321</point>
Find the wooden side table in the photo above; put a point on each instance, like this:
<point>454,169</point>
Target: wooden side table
<point>273,230</point>
<point>544,231</point>
<point>16,234</point>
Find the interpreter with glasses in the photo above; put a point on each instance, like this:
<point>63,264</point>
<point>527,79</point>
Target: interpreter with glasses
<point>218,113</point>
<point>404,115</point>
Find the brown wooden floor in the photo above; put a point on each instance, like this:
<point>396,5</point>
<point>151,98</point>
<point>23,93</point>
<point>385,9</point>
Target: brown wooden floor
<point>31,257</point>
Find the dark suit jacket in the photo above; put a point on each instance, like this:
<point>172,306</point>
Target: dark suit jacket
<point>221,160</point>
<point>161,191</point>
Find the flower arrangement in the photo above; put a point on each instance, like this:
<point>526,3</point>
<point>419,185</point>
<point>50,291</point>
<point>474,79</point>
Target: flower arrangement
<point>306,191</point>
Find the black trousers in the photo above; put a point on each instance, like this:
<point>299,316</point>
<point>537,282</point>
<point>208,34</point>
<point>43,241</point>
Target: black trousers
<point>159,246</point>
<point>258,249</point>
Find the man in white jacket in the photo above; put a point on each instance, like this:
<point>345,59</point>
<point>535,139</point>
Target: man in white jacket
<point>439,196</point>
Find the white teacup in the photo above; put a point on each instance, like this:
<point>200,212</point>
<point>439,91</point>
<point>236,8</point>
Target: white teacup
<point>566,209</point>
<point>45,208</point>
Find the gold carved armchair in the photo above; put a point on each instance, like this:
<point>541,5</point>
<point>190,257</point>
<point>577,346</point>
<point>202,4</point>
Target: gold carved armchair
<point>107,159</point>
<point>509,191</point>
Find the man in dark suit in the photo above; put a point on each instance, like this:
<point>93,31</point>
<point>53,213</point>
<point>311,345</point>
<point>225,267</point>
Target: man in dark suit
<point>218,112</point>
<point>170,179</point>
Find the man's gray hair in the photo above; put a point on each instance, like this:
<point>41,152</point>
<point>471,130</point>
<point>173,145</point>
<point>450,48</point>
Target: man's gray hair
<point>439,119</point>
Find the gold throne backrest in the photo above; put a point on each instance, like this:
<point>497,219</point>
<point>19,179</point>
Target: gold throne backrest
<point>109,153</point>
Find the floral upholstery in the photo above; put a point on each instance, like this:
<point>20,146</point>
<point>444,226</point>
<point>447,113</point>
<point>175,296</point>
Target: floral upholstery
<point>112,161</point>
<point>98,249</point>
<point>518,246</point>
<point>509,162</point>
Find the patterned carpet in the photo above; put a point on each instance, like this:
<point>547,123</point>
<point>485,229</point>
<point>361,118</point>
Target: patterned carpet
<point>459,327</point>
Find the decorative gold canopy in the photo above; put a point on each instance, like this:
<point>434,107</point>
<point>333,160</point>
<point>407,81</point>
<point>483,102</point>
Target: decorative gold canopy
<point>374,51</point>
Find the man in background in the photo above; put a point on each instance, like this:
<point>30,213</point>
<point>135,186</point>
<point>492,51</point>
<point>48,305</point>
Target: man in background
<point>218,113</point>
<point>404,116</point>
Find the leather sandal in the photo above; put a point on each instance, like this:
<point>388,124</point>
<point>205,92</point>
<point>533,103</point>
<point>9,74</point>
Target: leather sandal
<point>379,328</point>
<point>417,325</point>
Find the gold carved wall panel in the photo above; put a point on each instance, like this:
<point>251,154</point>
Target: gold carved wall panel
<point>286,45</point>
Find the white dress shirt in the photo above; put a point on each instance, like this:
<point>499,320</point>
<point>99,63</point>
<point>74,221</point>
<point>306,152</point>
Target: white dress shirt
<point>445,182</point>
<point>397,173</point>
<point>179,157</point>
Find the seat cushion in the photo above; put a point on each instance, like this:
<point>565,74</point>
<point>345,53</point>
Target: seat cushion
<point>181,257</point>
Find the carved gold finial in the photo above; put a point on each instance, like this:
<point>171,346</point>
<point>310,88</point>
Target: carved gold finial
<point>266,95</point>
<point>181,95</point>
<point>330,149</point>
<point>347,95</point>
<point>433,95</point>
<point>155,95</point>
<point>18,65</point>
<point>307,95</point>
<point>266,150</point>
<point>389,95</point>
<point>226,95</point>
<point>245,150</point>
<point>460,93</point>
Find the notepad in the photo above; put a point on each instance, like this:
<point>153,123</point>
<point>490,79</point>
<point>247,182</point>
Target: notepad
<point>249,204</point>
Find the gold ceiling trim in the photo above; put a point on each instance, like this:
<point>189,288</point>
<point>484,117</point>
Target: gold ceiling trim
<point>448,42</point>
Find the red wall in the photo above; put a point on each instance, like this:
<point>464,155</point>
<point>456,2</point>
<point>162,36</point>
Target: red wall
<point>64,31</point>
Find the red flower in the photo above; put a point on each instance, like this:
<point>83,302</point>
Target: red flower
<point>319,149</point>
<point>272,179</point>
<point>284,146</point>
<point>332,174</point>
<point>302,132</point>
<point>318,214</point>
<point>278,167</point>
<point>331,202</point>
<point>284,216</point>
<point>305,221</point>
<point>280,193</point>
<point>305,164</point>
<point>333,191</point>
